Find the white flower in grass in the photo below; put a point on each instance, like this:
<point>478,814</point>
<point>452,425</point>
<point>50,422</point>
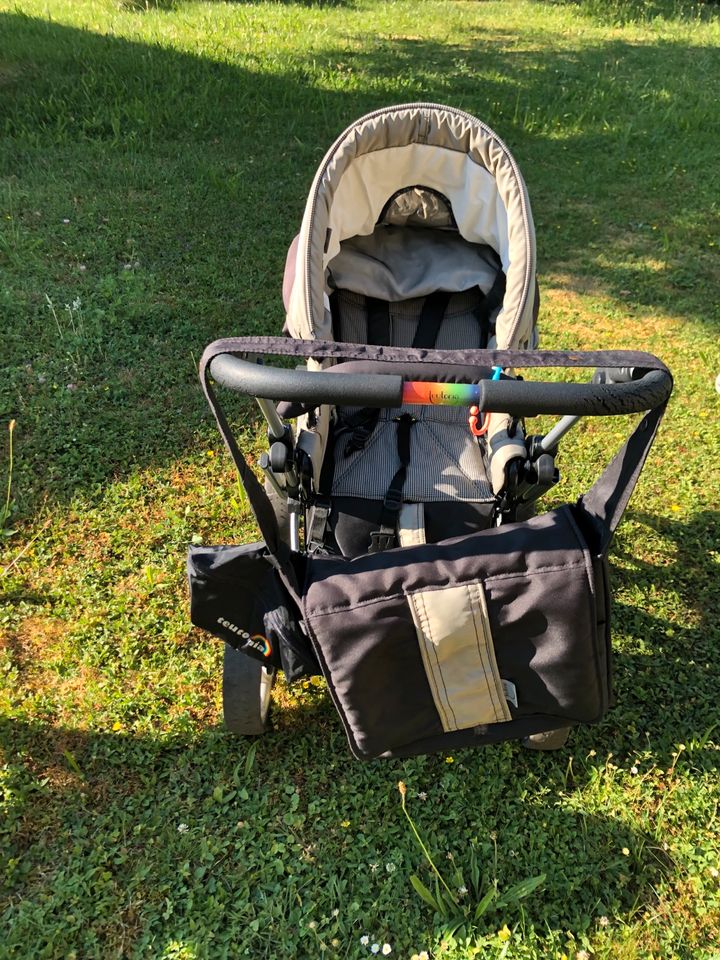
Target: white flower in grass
<point>390,867</point>
<point>183,828</point>
<point>373,867</point>
<point>364,939</point>
<point>633,771</point>
<point>336,912</point>
<point>375,948</point>
<point>422,795</point>
<point>603,921</point>
<point>462,890</point>
<point>313,925</point>
<point>386,950</point>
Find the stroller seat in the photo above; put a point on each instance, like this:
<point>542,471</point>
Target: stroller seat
<point>446,465</point>
<point>414,281</point>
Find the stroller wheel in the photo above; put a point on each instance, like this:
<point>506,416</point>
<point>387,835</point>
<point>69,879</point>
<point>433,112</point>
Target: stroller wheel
<point>246,693</point>
<point>549,740</point>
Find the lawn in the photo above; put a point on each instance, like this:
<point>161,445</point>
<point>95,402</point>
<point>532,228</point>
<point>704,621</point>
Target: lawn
<point>154,163</point>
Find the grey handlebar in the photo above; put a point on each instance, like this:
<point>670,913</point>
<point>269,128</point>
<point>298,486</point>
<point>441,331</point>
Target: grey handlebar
<point>515,397</point>
<point>307,386</point>
<point>532,398</point>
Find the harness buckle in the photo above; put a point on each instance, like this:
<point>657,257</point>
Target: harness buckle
<point>380,540</point>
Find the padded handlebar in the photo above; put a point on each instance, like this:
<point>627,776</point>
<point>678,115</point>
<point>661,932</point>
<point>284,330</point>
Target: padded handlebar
<point>312,389</point>
<point>516,397</point>
<point>531,398</point>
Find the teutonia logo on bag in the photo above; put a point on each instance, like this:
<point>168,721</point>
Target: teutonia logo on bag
<point>257,642</point>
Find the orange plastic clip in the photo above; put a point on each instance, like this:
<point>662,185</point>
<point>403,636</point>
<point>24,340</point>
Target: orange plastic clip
<point>473,422</point>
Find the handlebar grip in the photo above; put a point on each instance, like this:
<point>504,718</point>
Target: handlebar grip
<point>530,398</point>
<point>313,389</point>
<point>518,398</point>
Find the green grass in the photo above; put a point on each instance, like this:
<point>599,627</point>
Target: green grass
<point>154,164</point>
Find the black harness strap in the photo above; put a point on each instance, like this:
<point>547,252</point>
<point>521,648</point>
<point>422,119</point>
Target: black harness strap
<point>335,315</point>
<point>378,322</point>
<point>386,537</point>
<point>491,302</point>
<point>364,421</point>
<point>431,317</point>
<point>320,510</point>
<point>362,425</point>
<point>378,334</point>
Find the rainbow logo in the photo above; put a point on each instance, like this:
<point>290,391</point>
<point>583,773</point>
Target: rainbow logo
<point>440,394</point>
<point>259,640</point>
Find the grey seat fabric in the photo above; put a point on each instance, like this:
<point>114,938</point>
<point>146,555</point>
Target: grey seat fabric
<point>459,327</point>
<point>445,459</point>
<point>399,263</point>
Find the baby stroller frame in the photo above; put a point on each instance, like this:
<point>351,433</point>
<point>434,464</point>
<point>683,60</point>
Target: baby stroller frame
<point>501,631</point>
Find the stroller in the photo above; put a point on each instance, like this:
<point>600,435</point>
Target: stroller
<point>402,555</point>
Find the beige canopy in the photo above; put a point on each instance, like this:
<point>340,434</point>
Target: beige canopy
<point>462,182</point>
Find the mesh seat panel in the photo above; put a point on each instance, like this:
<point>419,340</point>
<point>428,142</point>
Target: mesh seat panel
<point>445,459</point>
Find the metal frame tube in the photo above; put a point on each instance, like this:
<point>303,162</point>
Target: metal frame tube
<point>550,441</point>
<point>276,427</point>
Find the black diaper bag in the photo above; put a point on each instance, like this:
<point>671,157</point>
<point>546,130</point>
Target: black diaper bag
<point>491,636</point>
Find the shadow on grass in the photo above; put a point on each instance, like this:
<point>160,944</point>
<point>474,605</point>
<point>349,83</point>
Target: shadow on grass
<point>152,195</point>
<point>148,192</point>
<point>172,832</point>
<point>620,12</point>
<point>594,129</point>
<point>177,836</point>
<point>668,688</point>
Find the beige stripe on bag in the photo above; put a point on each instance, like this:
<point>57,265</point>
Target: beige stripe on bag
<point>456,646</point>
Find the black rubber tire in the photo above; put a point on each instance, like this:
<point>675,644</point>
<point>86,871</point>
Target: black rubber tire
<point>246,693</point>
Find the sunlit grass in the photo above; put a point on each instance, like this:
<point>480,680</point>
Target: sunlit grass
<point>155,161</point>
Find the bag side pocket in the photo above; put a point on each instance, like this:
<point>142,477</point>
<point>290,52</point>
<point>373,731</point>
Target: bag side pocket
<point>237,595</point>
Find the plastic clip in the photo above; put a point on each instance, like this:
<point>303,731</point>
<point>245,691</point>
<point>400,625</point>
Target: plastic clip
<point>475,430</point>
